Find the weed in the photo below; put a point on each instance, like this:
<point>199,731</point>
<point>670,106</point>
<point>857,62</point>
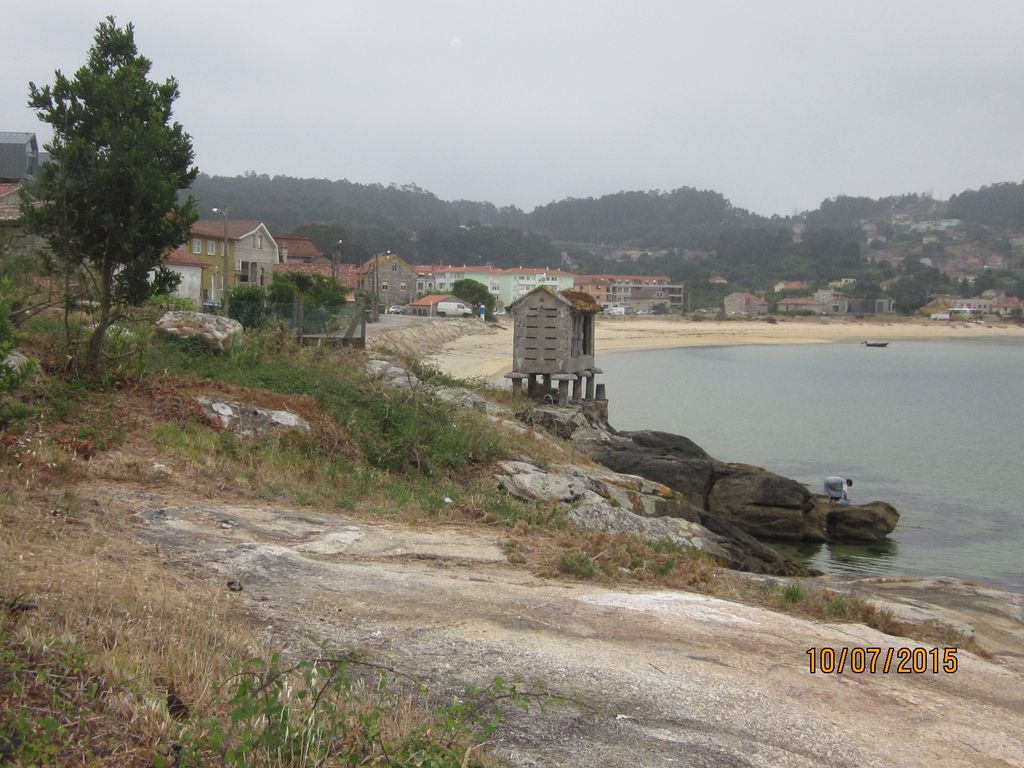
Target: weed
<point>578,564</point>
<point>791,594</point>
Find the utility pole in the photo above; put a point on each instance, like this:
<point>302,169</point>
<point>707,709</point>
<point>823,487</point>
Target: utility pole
<point>224,281</point>
<point>334,260</point>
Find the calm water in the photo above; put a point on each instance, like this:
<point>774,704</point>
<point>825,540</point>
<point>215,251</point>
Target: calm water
<point>935,428</point>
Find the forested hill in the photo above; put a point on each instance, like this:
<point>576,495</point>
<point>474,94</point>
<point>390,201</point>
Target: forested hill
<point>749,248</point>
<point>683,218</point>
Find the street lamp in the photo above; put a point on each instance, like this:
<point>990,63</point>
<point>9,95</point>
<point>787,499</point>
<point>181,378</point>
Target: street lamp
<point>334,260</point>
<point>224,288</point>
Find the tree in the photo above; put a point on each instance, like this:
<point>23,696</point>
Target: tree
<point>108,203</point>
<point>476,293</point>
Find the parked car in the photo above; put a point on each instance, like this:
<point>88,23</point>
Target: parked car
<point>454,308</point>
<point>396,309</point>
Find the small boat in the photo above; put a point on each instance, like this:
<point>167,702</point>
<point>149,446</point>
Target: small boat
<point>876,343</point>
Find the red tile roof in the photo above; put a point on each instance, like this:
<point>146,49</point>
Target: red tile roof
<point>298,247</point>
<point>432,299</point>
<point>627,278</point>
<point>347,273</point>
<point>180,257</point>
<point>237,228</point>
<point>6,188</point>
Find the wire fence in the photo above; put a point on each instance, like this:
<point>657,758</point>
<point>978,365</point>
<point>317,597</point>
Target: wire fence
<point>303,317</point>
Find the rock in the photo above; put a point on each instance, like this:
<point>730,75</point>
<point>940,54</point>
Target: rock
<point>857,522</point>
<point>563,422</point>
<point>216,332</point>
<point>393,375</point>
<point>15,360</point>
<point>682,533</point>
<point>742,498</point>
<point>745,553</point>
<point>249,420</point>
<point>763,504</point>
<point>599,499</point>
<point>659,456</point>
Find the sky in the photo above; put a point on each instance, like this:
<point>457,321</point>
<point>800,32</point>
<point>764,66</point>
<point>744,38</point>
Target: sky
<point>777,105</point>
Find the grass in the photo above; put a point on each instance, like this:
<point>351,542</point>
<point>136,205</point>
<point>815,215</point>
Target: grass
<point>90,675</point>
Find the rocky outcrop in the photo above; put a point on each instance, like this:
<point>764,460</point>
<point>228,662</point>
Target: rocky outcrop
<point>247,419</point>
<point>607,497</point>
<point>213,331</point>
<point>855,522</point>
<point>765,505</point>
<point>760,503</point>
<point>599,499</point>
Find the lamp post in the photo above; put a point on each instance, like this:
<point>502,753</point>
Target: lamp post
<point>224,288</point>
<point>334,260</point>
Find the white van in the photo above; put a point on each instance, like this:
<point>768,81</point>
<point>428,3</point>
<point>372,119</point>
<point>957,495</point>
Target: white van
<point>454,309</point>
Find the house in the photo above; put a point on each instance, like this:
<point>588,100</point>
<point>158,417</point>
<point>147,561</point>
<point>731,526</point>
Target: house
<point>11,228</point>
<point>880,306</point>
<point>790,285</point>
<point>297,250</point>
<point>506,285</point>
<point>251,252</point>
<point>192,270</point>
<point>843,282</point>
<point>388,278</point>
<point>801,304</point>
<point>346,273</point>
<point>633,293</point>
<point>553,340</point>
<point>832,302</point>
<point>742,304</point>
<point>19,156</point>
<point>598,286</point>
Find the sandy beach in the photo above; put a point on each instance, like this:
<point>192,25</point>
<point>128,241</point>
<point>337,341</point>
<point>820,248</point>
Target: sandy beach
<point>489,355</point>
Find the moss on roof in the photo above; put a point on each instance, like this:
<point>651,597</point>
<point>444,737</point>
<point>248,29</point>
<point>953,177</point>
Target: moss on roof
<point>581,301</point>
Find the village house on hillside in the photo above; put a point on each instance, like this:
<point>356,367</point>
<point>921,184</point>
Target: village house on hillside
<point>742,304</point>
<point>297,250</point>
<point>19,156</point>
<point>388,278</point>
<point>251,252</point>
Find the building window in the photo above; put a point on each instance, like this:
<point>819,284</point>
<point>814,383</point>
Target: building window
<point>394,267</point>
<point>211,248</point>
<point>257,241</point>
<point>383,286</point>
<point>243,272</point>
<point>402,286</point>
<point>197,245</point>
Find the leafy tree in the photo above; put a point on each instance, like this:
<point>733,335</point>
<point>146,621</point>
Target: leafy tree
<point>318,290</point>
<point>108,204</point>
<point>474,292</point>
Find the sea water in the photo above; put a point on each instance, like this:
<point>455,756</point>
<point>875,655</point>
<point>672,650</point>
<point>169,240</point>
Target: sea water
<point>936,428</point>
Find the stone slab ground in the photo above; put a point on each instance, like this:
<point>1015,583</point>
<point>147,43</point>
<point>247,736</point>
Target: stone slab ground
<point>661,678</point>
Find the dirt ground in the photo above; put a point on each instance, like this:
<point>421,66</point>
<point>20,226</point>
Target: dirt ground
<point>651,677</point>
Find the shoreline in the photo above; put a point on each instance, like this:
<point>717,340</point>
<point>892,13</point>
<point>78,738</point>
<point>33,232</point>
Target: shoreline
<point>489,355</point>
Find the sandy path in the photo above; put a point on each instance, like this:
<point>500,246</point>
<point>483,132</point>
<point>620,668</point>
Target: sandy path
<point>489,356</point>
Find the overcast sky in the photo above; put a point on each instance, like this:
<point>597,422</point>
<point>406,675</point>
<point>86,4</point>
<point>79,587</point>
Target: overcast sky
<point>778,105</point>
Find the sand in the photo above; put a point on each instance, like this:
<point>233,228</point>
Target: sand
<point>489,356</point>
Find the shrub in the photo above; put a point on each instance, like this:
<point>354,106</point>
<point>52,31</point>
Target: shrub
<point>248,305</point>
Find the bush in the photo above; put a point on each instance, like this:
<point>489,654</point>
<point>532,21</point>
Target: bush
<point>248,305</point>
